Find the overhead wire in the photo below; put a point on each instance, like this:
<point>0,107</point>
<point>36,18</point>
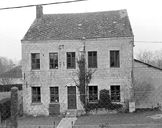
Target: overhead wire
<point>138,41</point>
<point>25,6</point>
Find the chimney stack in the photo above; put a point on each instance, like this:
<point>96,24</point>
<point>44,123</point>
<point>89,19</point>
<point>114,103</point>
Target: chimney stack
<point>39,11</point>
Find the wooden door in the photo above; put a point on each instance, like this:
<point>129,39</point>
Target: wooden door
<point>71,97</point>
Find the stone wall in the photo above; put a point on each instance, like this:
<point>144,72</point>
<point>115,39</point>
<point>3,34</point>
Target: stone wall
<point>152,76</point>
<point>4,95</point>
<point>63,77</point>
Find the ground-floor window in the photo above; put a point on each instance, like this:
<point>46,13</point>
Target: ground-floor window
<point>36,94</point>
<point>54,94</point>
<point>115,93</point>
<point>93,93</point>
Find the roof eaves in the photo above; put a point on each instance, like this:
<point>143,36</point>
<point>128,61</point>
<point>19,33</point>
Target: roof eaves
<point>132,36</point>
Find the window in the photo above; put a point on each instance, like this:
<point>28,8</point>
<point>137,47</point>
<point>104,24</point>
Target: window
<point>54,94</point>
<point>53,60</point>
<point>35,61</point>
<point>93,93</point>
<point>36,95</point>
<point>92,59</point>
<point>115,93</point>
<point>114,58</point>
<point>70,60</point>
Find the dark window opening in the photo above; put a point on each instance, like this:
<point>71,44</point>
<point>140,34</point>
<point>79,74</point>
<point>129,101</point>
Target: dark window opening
<point>92,59</point>
<point>93,93</point>
<point>70,60</point>
<point>114,59</point>
<point>36,95</point>
<point>35,61</point>
<point>54,94</point>
<point>115,93</point>
<point>53,60</point>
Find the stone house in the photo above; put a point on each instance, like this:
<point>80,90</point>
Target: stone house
<point>52,46</point>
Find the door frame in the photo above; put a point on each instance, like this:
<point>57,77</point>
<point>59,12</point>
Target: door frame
<point>71,96</point>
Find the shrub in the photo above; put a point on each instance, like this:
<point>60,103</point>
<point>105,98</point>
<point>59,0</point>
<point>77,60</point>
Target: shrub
<point>91,106</point>
<point>5,108</point>
<point>104,100</point>
<point>115,106</point>
<point>7,88</point>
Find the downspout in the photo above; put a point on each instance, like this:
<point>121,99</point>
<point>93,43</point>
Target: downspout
<point>84,54</point>
<point>132,72</point>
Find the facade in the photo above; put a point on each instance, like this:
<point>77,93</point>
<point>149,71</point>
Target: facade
<point>54,43</point>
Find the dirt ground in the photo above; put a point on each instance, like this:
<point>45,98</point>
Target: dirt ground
<point>29,121</point>
<point>122,120</point>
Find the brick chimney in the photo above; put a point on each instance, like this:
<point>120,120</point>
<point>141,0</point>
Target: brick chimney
<point>39,11</point>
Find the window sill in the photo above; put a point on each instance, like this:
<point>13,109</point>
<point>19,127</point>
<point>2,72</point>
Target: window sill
<point>71,68</point>
<point>34,104</point>
<point>53,68</point>
<point>116,102</point>
<point>34,70</point>
<point>54,103</point>
<point>92,67</point>
<point>114,67</point>
<point>92,102</point>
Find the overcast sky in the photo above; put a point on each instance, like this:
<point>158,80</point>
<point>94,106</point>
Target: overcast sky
<point>145,17</point>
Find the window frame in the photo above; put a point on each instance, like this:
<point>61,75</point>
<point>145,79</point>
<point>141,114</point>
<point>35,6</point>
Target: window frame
<point>93,94</point>
<point>36,96</point>
<point>116,58</point>
<point>72,60</point>
<point>55,96</point>
<point>115,94</point>
<point>55,64</point>
<point>35,62</point>
<point>91,61</point>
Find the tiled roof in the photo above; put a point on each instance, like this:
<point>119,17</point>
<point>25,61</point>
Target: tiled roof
<point>15,72</point>
<point>80,25</point>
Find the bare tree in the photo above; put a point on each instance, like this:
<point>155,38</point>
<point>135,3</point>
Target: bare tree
<point>5,64</point>
<point>6,81</point>
<point>150,57</point>
<point>84,76</point>
<point>11,75</point>
<point>145,56</point>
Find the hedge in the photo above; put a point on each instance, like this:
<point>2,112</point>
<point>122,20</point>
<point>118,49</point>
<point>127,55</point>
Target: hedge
<point>7,88</point>
<point>5,109</point>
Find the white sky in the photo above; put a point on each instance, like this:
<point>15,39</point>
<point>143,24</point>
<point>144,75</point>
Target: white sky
<point>145,17</point>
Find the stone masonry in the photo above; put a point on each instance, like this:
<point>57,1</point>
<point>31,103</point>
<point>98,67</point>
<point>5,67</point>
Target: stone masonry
<point>62,77</point>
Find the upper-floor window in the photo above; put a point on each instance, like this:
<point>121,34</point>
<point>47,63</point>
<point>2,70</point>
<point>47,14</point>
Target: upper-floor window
<point>70,60</point>
<point>35,60</point>
<point>53,60</point>
<point>93,93</point>
<point>54,94</point>
<point>36,95</point>
<point>92,59</point>
<point>114,58</point>
<point>115,93</point>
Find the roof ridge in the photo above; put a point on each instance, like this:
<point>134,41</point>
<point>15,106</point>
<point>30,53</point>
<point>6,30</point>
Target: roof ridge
<point>150,65</point>
<point>90,12</point>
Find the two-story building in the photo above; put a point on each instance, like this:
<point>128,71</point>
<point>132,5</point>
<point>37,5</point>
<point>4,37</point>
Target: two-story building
<point>50,50</point>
